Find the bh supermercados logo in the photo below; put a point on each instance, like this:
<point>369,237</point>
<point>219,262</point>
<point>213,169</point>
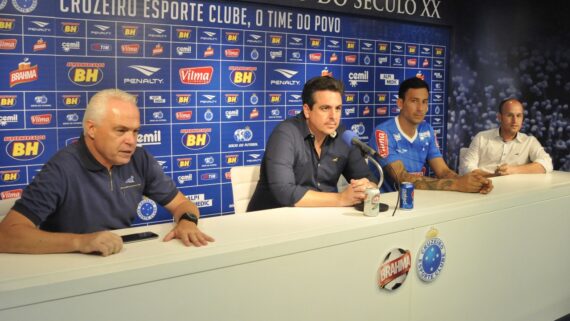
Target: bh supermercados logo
<point>393,272</point>
<point>431,257</point>
<point>147,209</point>
<point>196,139</point>
<point>85,74</point>
<point>242,76</point>
<point>25,148</point>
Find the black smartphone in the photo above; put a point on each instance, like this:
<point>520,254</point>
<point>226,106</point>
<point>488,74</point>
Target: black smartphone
<point>129,238</point>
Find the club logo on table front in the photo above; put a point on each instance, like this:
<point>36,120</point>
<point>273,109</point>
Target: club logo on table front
<point>431,257</point>
<point>393,272</point>
<point>147,209</point>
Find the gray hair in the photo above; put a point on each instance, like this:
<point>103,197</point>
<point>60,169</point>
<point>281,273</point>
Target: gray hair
<point>96,108</point>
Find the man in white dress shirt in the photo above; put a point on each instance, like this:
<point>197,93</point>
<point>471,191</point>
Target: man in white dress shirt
<point>505,150</point>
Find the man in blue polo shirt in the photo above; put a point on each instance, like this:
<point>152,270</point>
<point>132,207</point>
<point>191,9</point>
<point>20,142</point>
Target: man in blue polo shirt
<point>406,142</point>
<point>94,186</point>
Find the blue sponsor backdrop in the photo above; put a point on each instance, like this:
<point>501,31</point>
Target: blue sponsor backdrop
<point>212,80</point>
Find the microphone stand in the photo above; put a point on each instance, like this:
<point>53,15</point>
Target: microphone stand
<point>382,207</point>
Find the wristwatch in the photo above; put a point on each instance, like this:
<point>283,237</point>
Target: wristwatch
<point>189,217</point>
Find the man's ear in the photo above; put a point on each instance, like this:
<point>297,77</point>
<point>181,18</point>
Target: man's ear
<point>499,117</point>
<point>400,103</point>
<point>90,126</point>
<point>306,110</point>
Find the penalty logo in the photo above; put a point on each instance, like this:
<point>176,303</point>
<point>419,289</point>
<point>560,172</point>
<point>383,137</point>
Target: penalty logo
<point>431,257</point>
<point>393,272</point>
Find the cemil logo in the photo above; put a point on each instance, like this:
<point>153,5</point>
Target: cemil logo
<point>10,175</point>
<point>130,31</point>
<point>196,139</point>
<point>184,162</point>
<point>24,74</point>
<point>85,74</point>
<point>70,28</point>
<point>183,99</point>
<point>130,49</point>
<point>183,34</point>
<point>25,148</point>
<point>14,193</point>
<point>71,100</point>
<point>232,98</point>
<point>39,45</point>
<point>275,39</point>
<point>43,119</point>
<point>232,36</point>
<point>7,24</point>
<point>196,75</point>
<point>8,44</point>
<point>8,100</point>
<point>242,76</point>
<point>184,115</point>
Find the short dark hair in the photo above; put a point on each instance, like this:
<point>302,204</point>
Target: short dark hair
<point>506,100</point>
<point>320,83</point>
<point>411,83</point>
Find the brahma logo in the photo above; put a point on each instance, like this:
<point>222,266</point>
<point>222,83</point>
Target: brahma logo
<point>24,74</point>
<point>184,115</point>
<point>209,52</point>
<point>8,44</point>
<point>315,56</point>
<point>157,50</point>
<point>334,57</point>
<point>14,193</point>
<point>232,53</point>
<point>232,36</point>
<point>85,74</point>
<point>242,76</point>
<point>8,100</point>
<point>183,34</point>
<point>232,159</point>
<point>10,175</point>
<point>39,45</point>
<point>71,100</point>
<point>196,75</point>
<point>184,163</point>
<point>196,139</point>
<point>231,98</point>
<point>130,49</point>
<point>254,114</point>
<point>44,119</point>
<point>7,24</point>
<point>130,31</point>
<point>183,99</point>
<point>315,42</point>
<point>382,143</point>
<point>25,148</point>
<point>70,28</point>
<point>275,39</point>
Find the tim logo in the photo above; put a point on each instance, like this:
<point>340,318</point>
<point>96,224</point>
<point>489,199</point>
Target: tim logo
<point>242,76</point>
<point>44,119</point>
<point>232,36</point>
<point>25,148</point>
<point>232,98</point>
<point>196,139</point>
<point>315,42</point>
<point>130,31</point>
<point>7,24</point>
<point>184,115</point>
<point>208,176</point>
<point>184,163</point>
<point>85,74</point>
<point>70,28</point>
<point>8,100</point>
<point>275,39</point>
<point>15,193</point>
<point>196,75</point>
<point>232,159</point>
<point>183,99</point>
<point>10,176</point>
<point>382,143</point>
<point>71,100</point>
<point>183,34</point>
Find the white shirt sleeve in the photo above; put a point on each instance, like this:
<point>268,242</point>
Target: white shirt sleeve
<point>537,154</point>
<point>469,161</point>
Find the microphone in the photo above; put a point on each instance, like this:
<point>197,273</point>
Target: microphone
<point>350,138</point>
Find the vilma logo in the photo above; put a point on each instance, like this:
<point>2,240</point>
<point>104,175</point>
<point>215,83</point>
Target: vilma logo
<point>147,209</point>
<point>431,257</point>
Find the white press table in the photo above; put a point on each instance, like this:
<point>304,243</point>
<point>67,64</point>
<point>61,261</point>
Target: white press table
<point>507,258</point>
